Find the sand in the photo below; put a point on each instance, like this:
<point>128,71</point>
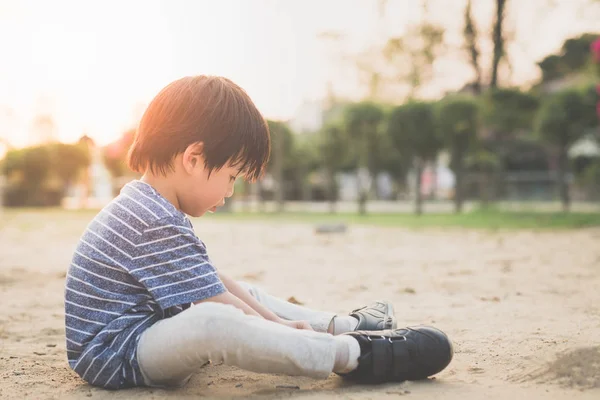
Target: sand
<point>522,307</point>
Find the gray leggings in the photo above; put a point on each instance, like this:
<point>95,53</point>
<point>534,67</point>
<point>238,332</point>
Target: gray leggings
<point>171,350</point>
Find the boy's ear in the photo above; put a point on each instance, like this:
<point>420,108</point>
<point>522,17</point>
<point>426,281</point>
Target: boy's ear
<point>193,156</point>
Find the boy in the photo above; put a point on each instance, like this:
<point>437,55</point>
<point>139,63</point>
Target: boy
<point>144,306</point>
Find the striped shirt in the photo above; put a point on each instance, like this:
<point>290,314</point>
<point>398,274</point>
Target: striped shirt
<point>138,261</point>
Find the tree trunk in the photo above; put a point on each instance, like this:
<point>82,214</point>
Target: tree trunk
<point>331,195</point>
<point>563,185</point>
<point>470,33</point>
<point>306,188</point>
<point>364,185</point>
<point>247,196</point>
<point>418,195</point>
<point>485,185</point>
<point>434,179</point>
<point>363,180</point>
<point>498,40</point>
<point>458,191</point>
<point>362,202</point>
<point>400,191</point>
<point>280,190</point>
<point>261,199</point>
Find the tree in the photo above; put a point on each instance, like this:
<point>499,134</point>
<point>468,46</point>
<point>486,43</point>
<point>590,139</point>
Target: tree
<point>412,129</point>
<point>470,34</point>
<point>561,121</point>
<point>573,58</point>
<point>115,154</point>
<point>305,161</point>
<point>68,160</point>
<point>333,151</point>
<point>282,142</point>
<point>499,41</point>
<point>40,175</point>
<point>457,119</point>
<point>395,163</point>
<point>485,163</point>
<point>362,122</point>
<point>412,56</point>
<point>509,111</point>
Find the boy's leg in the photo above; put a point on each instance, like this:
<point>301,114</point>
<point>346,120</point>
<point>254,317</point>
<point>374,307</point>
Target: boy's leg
<point>319,320</point>
<point>377,316</point>
<point>170,351</point>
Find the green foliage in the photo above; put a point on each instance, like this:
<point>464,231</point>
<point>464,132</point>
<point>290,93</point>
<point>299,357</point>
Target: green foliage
<point>483,160</point>
<point>362,118</point>
<point>306,153</point>
<point>576,51</point>
<point>592,173</point>
<point>458,122</point>
<point>393,161</point>
<point>562,118</point>
<point>281,132</point>
<point>507,111</point>
<point>115,154</point>
<point>412,129</point>
<point>591,177</point>
<point>362,123</point>
<point>40,175</point>
<point>68,160</point>
<point>333,146</point>
<point>552,68</point>
<point>591,100</point>
<point>574,57</point>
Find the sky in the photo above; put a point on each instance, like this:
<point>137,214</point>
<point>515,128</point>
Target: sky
<point>93,65</point>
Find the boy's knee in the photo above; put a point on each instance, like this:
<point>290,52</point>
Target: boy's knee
<point>209,320</point>
<point>210,311</point>
<point>248,287</point>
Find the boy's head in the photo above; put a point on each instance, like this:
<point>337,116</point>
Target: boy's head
<point>197,135</point>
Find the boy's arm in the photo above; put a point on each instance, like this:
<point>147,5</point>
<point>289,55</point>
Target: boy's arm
<point>229,298</point>
<point>242,294</point>
<point>240,298</point>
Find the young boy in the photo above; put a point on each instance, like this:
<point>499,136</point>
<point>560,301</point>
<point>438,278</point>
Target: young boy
<point>144,305</point>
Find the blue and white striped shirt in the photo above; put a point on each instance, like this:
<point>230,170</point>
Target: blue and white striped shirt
<point>138,261</point>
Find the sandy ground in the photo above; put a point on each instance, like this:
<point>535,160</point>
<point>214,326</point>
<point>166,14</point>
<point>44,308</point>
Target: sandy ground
<point>523,308</point>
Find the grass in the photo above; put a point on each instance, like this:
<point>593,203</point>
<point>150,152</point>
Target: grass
<point>488,219</point>
<point>491,219</point>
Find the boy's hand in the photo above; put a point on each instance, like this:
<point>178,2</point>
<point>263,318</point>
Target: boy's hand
<point>296,324</point>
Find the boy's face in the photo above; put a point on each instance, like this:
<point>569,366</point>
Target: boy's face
<point>200,192</point>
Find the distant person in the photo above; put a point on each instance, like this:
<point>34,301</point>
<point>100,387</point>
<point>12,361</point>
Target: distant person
<point>144,304</point>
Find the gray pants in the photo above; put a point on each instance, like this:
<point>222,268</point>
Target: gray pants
<point>171,350</point>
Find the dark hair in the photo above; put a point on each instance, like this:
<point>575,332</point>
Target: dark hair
<point>207,109</point>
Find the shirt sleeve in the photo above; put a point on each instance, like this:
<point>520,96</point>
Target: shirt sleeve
<point>173,265</point>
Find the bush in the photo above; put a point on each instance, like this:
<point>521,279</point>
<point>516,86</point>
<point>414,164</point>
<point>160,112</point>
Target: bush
<point>40,175</point>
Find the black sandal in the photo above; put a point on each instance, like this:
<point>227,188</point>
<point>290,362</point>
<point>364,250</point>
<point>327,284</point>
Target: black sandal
<point>399,355</point>
<point>375,317</point>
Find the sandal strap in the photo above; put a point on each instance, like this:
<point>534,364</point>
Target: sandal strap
<point>390,357</point>
<point>382,357</point>
<point>401,356</point>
